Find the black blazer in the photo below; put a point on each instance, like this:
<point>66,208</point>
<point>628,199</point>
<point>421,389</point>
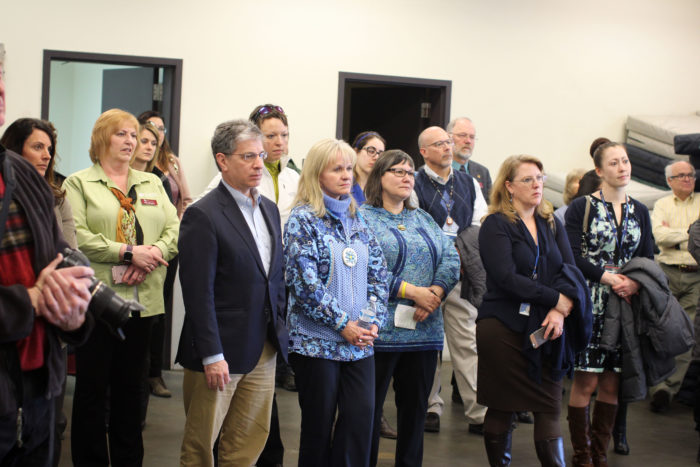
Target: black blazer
<point>224,285</point>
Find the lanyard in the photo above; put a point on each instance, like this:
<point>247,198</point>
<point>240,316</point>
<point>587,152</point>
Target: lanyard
<point>612,221</point>
<point>537,259</point>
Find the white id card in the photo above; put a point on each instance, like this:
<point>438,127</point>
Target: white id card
<point>403,317</point>
<point>525,309</point>
<point>450,229</point>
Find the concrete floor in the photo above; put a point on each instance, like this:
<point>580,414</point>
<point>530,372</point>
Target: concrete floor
<point>655,440</point>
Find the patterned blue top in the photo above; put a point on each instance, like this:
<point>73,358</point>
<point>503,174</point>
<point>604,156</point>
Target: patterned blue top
<point>421,255</point>
<point>324,292</point>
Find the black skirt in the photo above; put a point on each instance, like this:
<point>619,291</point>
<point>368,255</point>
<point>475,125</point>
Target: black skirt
<point>502,381</point>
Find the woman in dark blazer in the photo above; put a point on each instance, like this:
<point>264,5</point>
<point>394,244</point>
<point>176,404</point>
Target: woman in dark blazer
<point>523,248</point>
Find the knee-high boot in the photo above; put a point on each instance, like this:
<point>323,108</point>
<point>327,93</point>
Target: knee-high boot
<point>579,427</point>
<point>550,452</point>
<point>620,430</point>
<point>498,447</point>
<point>601,429</point>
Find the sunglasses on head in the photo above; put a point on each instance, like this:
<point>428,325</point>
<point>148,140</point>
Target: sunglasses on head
<point>266,109</point>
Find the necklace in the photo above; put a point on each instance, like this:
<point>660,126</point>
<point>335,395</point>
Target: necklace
<point>402,225</point>
<point>449,203</point>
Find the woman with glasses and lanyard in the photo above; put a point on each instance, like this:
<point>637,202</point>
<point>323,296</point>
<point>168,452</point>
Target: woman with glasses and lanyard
<point>424,265</point>
<point>617,228</point>
<point>368,146</point>
<point>524,249</point>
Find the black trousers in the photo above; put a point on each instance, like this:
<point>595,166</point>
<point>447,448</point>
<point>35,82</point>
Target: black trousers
<point>162,322</point>
<point>37,435</point>
<point>114,372</point>
<point>324,387</point>
<point>413,374</point>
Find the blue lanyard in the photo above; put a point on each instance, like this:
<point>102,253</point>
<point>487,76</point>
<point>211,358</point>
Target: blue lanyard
<point>612,222</point>
<point>537,259</point>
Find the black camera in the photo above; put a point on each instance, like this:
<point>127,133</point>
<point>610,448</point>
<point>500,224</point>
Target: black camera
<point>105,304</point>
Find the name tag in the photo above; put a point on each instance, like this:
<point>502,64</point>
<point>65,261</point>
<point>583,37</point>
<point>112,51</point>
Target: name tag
<point>149,202</point>
<point>525,309</point>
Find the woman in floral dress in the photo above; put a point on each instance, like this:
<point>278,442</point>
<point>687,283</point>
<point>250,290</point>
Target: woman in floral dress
<point>617,229</point>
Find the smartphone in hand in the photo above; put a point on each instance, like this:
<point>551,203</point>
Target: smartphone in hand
<point>537,338</point>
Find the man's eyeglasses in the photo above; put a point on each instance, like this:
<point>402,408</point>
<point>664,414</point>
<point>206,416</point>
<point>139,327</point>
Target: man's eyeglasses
<point>372,151</point>
<point>401,173</point>
<point>530,180</point>
<point>684,177</point>
<point>251,156</point>
<point>443,143</point>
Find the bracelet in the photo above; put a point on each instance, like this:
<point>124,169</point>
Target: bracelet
<point>403,289</point>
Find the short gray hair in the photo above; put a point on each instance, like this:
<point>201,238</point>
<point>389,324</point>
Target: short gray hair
<point>229,134</point>
<point>451,126</point>
<point>668,170</point>
<point>2,54</point>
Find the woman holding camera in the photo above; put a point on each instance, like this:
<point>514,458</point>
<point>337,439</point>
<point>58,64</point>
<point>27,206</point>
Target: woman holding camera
<point>128,228</point>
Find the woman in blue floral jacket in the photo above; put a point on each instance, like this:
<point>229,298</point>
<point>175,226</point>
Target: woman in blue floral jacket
<point>333,265</point>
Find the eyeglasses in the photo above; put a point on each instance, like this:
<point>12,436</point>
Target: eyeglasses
<point>372,151</point>
<point>251,156</point>
<point>401,173</point>
<point>465,136</point>
<point>266,109</point>
<point>684,177</point>
<point>443,143</point>
<point>530,180</point>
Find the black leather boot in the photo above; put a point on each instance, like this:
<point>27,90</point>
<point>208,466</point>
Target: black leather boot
<point>498,448</point>
<point>550,452</point>
<point>620,430</point>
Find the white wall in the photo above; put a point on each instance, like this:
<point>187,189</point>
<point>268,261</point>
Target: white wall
<point>541,77</point>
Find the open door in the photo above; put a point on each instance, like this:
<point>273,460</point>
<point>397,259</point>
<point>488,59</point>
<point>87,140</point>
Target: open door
<point>398,108</point>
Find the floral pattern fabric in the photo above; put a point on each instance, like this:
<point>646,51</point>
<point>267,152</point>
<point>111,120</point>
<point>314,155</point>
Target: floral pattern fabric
<point>601,246</point>
<point>325,292</point>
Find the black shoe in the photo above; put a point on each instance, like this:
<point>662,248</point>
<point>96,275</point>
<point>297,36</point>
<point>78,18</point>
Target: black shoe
<point>524,417</point>
<point>386,430</point>
<point>289,382</point>
<point>661,401</point>
<point>476,429</point>
<point>432,422</point>
<point>620,443</point>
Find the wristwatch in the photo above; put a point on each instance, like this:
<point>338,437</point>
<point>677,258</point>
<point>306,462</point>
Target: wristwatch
<point>129,254</point>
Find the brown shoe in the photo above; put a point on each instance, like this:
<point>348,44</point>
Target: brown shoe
<point>158,387</point>
<point>601,430</point>
<point>579,427</point>
<point>386,431</point>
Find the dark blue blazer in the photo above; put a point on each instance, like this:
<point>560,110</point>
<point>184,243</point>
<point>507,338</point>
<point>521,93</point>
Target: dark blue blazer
<point>224,285</point>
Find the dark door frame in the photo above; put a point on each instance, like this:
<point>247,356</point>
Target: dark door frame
<point>175,63</point>
<point>345,77</point>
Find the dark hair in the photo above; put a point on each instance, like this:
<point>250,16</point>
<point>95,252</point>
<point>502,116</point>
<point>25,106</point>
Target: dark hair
<point>364,137</point>
<point>164,151</point>
<point>266,111</point>
<point>373,188</point>
<point>589,183</point>
<point>16,135</point>
<point>600,150</point>
<point>596,143</point>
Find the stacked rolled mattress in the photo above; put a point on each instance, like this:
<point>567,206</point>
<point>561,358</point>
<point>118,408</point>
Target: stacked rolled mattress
<point>653,142</point>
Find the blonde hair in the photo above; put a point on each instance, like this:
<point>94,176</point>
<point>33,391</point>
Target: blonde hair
<point>106,126</point>
<point>501,200</point>
<point>572,177</point>
<point>151,128</point>
<point>320,157</point>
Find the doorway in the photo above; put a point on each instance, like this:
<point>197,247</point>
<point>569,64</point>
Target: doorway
<point>396,107</point>
<point>77,87</point>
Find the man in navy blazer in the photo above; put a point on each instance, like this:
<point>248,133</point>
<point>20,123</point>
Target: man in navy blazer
<point>235,306</point>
